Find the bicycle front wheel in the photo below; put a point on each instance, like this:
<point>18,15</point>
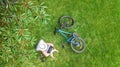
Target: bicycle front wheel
<point>66,22</point>
<point>78,45</point>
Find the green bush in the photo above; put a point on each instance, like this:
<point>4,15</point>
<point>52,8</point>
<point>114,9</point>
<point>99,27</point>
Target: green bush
<point>16,42</point>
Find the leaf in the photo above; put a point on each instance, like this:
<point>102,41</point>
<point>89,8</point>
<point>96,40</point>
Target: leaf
<point>42,3</point>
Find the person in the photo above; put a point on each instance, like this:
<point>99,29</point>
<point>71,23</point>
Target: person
<point>47,49</point>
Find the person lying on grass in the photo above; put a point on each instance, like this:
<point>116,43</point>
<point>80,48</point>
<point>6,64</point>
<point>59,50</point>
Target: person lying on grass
<point>47,49</point>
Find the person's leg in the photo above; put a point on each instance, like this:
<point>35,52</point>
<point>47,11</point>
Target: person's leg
<point>55,50</point>
<point>51,54</point>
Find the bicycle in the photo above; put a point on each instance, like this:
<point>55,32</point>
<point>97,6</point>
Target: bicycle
<point>77,43</point>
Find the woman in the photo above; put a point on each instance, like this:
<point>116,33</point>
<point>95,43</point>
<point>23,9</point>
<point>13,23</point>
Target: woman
<point>47,49</point>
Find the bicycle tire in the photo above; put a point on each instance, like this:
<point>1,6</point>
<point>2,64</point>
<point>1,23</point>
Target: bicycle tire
<point>83,45</point>
<point>66,22</point>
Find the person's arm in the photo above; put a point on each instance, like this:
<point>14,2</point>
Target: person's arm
<point>50,44</point>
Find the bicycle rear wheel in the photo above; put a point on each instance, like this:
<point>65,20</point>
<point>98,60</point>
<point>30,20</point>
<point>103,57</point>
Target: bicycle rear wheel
<point>78,45</point>
<point>66,22</point>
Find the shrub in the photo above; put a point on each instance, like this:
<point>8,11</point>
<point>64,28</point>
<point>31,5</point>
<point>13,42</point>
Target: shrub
<point>16,42</point>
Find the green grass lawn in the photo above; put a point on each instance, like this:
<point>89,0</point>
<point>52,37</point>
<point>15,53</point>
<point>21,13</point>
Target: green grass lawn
<point>96,21</point>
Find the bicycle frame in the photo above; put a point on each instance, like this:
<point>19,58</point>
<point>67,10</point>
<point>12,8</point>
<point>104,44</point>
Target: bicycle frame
<point>64,34</point>
<point>77,43</point>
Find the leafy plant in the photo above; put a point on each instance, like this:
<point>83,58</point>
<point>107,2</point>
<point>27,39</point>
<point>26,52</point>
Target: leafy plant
<point>17,45</point>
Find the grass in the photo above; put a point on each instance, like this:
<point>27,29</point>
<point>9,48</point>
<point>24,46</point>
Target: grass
<point>96,21</point>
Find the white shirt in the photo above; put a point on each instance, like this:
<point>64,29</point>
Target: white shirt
<point>42,46</point>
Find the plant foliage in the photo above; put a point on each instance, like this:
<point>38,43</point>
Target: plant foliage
<point>16,42</point>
